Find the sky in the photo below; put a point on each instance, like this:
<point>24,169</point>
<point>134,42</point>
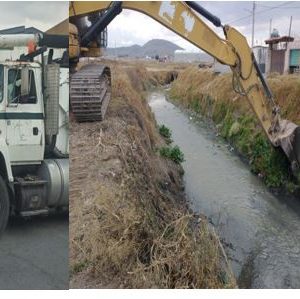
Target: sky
<point>131,27</point>
<point>42,15</point>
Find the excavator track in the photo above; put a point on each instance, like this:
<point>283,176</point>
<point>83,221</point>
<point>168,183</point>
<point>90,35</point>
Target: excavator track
<point>90,92</point>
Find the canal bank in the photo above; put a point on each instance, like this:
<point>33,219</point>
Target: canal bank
<point>130,225</point>
<point>212,95</point>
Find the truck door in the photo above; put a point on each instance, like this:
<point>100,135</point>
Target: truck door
<point>24,115</point>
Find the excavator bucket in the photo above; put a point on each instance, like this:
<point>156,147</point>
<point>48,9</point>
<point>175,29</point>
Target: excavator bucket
<point>289,140</point>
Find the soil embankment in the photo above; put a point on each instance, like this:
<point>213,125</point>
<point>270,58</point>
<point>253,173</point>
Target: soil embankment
<point>212,95</point>
<point>130,226</point>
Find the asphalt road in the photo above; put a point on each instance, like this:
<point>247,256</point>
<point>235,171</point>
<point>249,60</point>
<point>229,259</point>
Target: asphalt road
<point>34,253</point>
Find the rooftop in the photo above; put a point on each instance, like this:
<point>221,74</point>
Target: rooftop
<point>276,40</point>
<point>20,30</point>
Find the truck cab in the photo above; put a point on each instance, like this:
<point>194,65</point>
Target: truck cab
<point>34,147</point>
<point>22,112</point>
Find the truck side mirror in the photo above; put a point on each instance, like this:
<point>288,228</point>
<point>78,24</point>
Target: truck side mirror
<point>24,81</point>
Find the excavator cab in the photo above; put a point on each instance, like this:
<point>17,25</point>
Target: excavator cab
<point>90,86</point>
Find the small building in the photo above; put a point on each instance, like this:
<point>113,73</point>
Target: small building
<point>283,55</point>
<point>20,30</point>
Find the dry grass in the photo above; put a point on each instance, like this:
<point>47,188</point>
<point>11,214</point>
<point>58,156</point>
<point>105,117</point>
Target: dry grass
<point>197,84</point>
<point>129,223</point>
<point>287,93</point>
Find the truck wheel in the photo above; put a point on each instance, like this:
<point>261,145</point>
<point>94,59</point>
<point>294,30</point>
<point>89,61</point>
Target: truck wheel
<point>4,205</point>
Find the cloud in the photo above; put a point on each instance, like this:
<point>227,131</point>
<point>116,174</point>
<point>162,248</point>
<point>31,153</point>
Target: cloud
<point>39,14</point>
<point>138,28</point>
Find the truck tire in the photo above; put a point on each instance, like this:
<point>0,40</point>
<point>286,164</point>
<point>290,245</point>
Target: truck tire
<point>4,205</point>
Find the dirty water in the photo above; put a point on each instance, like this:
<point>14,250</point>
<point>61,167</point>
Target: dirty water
<point>260,232</point>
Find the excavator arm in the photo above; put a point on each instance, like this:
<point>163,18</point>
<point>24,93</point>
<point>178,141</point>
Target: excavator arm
<point>184,19</point>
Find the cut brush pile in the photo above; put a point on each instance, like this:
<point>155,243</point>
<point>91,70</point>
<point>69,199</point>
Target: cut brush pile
<point>130,226</point>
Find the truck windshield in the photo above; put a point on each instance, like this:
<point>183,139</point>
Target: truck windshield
<point>1,82</point>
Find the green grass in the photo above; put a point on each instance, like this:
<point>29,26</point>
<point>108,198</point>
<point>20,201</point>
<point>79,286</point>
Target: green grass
<point>244,133</point>
<point>172,153</point>
<point>166,133</point>
<point>269,162</point>
<point>79,267</point>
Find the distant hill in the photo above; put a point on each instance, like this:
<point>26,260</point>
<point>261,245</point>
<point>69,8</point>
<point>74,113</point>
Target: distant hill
<point>152,48</point>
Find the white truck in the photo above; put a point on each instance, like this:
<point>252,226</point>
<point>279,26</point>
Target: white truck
<point>34,130</point>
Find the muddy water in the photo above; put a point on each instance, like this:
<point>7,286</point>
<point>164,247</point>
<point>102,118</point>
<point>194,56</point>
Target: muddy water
<point>261,232</point>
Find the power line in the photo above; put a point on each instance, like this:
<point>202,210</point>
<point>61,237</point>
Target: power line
<point>289,7</point>
<point>262,11</point>
<point>267,6</point>
<point>253,21</point>
<point>270,8</point>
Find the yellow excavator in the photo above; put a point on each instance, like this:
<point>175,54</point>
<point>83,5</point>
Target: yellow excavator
<point>90,85</point>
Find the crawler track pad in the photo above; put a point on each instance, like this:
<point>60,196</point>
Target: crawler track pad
<point>90,92</point>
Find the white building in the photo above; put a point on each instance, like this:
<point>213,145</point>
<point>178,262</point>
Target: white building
<point>260,53</point>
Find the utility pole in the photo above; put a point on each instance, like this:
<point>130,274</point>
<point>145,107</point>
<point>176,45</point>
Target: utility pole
<point>270,28</point>
<point>253,21</point>
<point>291,20</point>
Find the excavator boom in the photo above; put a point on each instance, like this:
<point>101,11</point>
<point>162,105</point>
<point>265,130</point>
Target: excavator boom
<point>184,19</point>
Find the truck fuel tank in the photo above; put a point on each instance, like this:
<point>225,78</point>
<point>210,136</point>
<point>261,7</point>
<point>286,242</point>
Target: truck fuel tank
<point>56,173</point>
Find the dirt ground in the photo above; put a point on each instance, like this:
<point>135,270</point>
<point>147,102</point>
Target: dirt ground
<point>129,222</point>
